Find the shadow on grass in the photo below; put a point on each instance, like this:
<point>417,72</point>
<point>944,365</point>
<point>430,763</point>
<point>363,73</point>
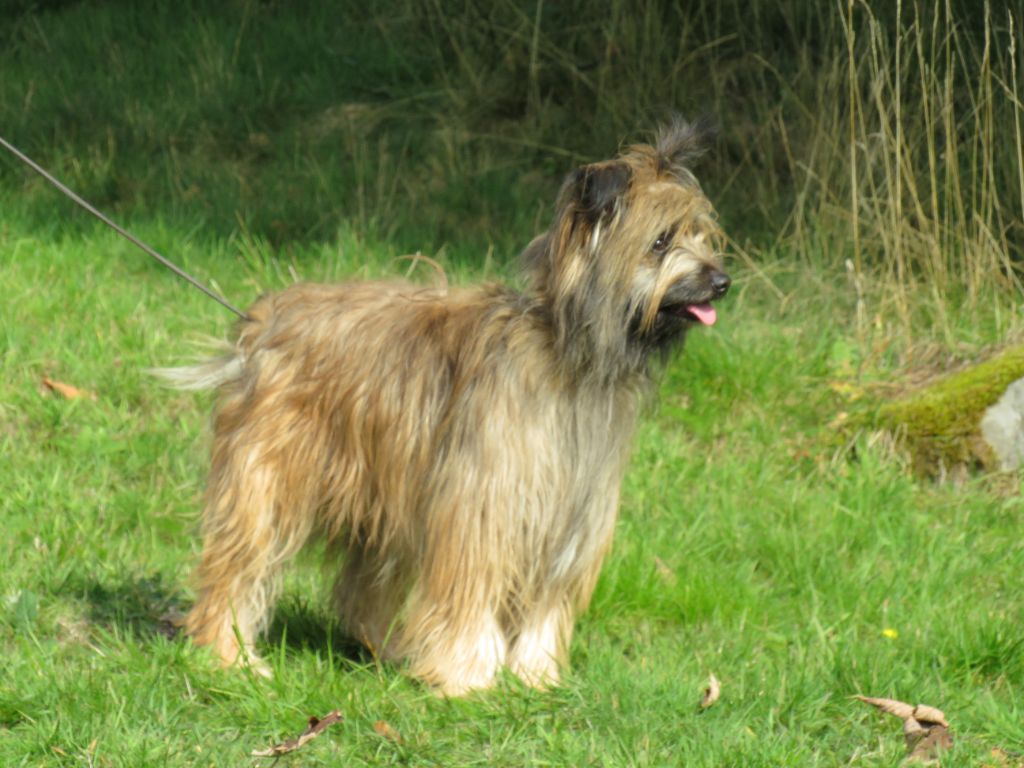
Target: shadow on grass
<point>147,606</point>
<point>142,606</point>
<point>301,626</point>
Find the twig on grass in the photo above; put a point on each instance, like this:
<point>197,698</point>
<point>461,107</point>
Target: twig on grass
<point>315,728</point>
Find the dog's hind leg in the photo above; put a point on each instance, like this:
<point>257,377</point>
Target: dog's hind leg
<point>369,593</point>
<point>247,536</point>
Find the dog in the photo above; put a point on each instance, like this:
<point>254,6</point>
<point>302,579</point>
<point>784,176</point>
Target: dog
<point>459,450</point>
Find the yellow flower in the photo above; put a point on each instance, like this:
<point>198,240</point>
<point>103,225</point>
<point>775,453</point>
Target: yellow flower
<point>891,633</point>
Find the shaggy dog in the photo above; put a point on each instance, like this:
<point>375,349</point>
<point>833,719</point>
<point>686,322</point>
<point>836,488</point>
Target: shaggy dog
<point>461,450</point>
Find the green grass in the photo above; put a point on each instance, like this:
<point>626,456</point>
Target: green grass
<point>784,562</point>
<point>255,141</point>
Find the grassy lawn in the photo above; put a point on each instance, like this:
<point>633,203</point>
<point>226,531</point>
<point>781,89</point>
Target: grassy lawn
<point>255,142</point>
<point>748,547</point>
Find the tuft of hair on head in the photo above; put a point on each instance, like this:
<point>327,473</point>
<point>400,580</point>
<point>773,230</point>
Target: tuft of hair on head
<point>678,145</point>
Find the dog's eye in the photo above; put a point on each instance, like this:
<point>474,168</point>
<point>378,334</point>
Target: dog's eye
<point>662,243</point>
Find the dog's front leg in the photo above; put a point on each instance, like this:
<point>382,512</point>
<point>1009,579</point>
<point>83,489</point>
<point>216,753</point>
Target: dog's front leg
<point>457,656</point>
<point>541,649</point>
<point>452,634</point>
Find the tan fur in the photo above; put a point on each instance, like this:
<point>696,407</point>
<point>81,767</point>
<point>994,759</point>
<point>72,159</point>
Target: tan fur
<point>460,450</point>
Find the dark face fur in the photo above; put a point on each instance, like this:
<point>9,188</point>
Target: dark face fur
<point>633,259</point>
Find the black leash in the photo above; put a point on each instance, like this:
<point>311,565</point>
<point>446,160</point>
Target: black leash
<point>121,230</point>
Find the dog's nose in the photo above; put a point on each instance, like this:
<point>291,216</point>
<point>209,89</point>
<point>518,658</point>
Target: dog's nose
<point>720,283</point>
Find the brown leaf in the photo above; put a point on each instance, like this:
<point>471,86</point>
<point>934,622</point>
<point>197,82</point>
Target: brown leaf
<point>925,730</point>
<point>66,390</point>
<point>383,728</point>
<point>902,710</point>
<point>927,746</point>
<point>927,714</point>
<point>315,728</point>
<point>890,706</point>
<point>711,693</point>
<point>912,731</point>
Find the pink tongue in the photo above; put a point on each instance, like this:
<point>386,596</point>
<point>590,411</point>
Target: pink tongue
<point>703,312</point>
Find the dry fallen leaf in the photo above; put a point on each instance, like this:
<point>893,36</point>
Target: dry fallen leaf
<point>383,728</point>
<point>66,390</point>
<point>927,714</point>
<point>315,728</point>
<point>922,712</point>
<point>711,693</point>
<point>890,706</point>
<point>925,729</point>
<point>925,747</point>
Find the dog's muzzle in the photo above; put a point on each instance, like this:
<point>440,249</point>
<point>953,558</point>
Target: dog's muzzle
<point>691,299</point>
<point>720,283</point>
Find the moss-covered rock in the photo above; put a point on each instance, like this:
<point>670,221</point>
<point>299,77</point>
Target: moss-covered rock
<point>939,423</point>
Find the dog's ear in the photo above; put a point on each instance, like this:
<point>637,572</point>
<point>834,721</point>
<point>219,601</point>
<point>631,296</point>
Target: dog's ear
<point>534,255</point>
<point>595,189</point>
<point>680,144</point>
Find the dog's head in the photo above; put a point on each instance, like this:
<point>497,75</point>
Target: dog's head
<point>633,257</point>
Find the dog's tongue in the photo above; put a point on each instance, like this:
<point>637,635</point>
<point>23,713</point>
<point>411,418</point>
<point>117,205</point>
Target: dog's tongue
<point>703,312</point>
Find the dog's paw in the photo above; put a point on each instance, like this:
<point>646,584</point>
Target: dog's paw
<point>258,667</point>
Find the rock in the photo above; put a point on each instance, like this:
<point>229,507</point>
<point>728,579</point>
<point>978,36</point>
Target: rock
<point>939,424</point>
<point>1002,426</point>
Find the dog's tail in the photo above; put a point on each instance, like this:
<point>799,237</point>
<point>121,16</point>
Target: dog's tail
<point>207,374</point>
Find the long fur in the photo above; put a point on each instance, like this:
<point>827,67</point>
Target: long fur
<point>461,451</point>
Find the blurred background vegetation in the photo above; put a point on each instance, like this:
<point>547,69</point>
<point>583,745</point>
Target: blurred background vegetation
<point>876,143</point>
